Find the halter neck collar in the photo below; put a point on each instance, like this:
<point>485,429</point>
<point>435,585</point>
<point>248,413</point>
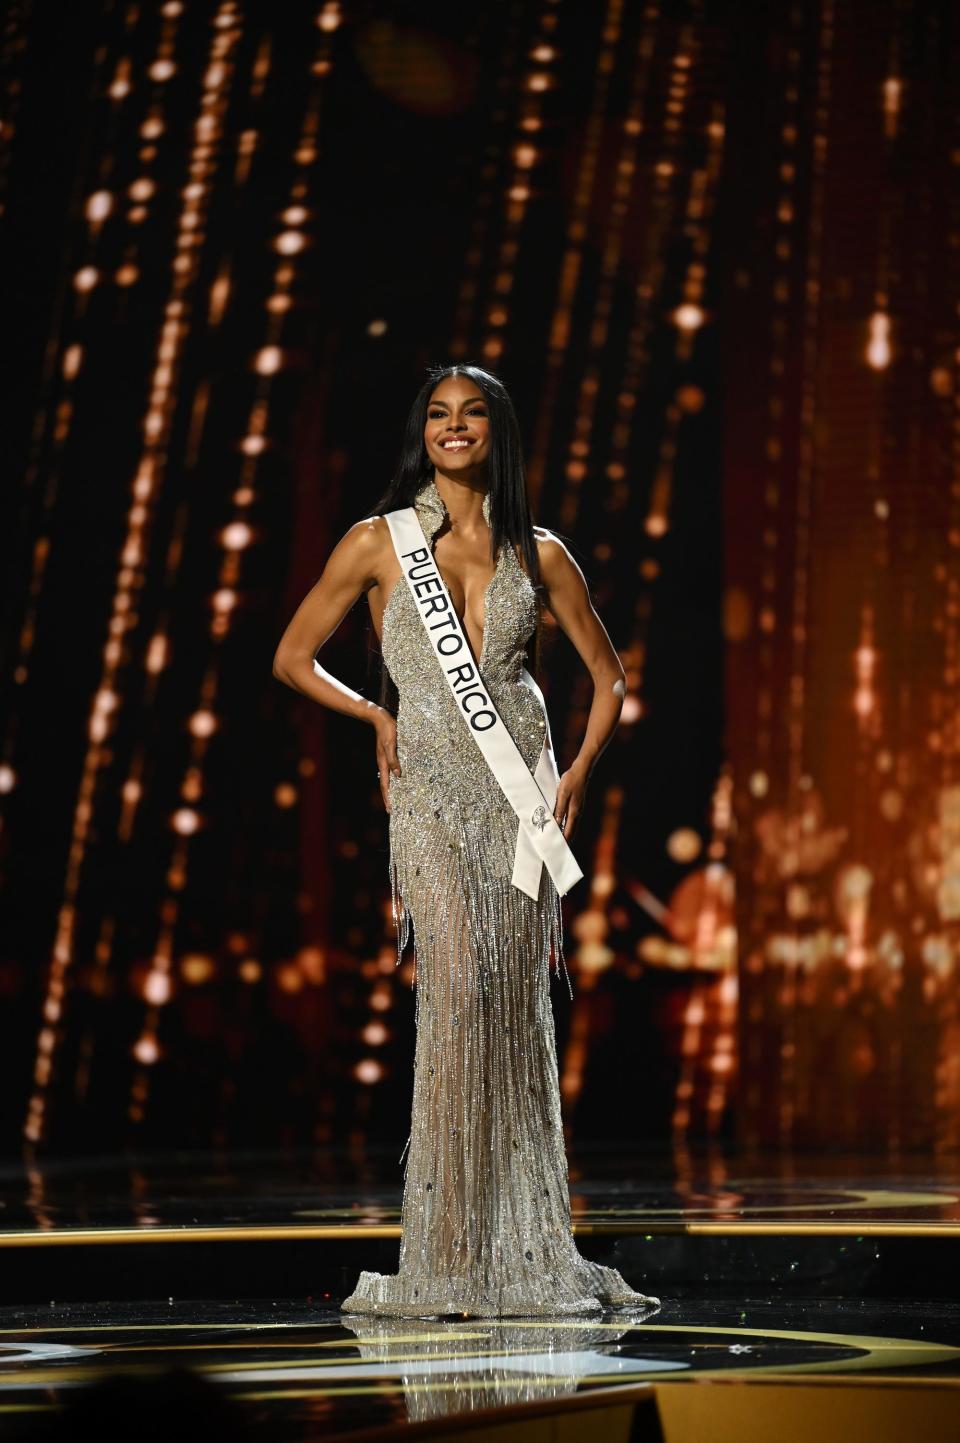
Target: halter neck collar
<point>430,508</point>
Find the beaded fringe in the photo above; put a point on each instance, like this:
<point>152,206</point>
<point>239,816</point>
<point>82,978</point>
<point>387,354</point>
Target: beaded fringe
<point>486,1228</point>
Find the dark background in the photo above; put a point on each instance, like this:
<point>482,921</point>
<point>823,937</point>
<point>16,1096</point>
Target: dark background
<point>679,286</point>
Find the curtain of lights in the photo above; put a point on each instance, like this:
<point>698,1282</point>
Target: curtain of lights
<point>242,231</point>
<point>712,250</point>
<point>842,587</point>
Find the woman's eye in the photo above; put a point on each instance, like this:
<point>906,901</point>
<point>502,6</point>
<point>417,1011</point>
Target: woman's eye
<point>438,415</point>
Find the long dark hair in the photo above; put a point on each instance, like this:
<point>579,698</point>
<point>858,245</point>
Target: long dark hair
<point>510,519</point>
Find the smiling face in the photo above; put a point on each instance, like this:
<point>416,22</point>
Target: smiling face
<point>457,429</point>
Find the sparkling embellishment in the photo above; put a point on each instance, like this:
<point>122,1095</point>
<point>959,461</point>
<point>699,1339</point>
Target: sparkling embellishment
<point>483,951</point>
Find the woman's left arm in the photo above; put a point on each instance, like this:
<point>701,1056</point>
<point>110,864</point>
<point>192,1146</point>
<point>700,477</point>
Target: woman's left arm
<point>569,601</point>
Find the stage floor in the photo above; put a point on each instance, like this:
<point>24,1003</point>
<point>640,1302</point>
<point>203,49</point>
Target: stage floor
<point>325,1194</point>
<point>824,1273</point>
<point>291,1367</point>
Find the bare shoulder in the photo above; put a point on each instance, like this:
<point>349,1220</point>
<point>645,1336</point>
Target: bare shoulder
<point>371,533</point>
<point>362,550</point>
<point>556,563</point>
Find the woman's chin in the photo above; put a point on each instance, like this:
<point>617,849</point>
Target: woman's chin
<point>458,463</point>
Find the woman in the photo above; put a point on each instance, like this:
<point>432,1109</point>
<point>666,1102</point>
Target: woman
<point>486,1208</point>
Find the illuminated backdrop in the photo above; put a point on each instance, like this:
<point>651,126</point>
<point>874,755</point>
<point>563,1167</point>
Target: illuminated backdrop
<point>713,256</point>
<point>843,585</point>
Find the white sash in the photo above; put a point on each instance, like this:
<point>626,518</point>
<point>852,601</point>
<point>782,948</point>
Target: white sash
<point>540,839</point>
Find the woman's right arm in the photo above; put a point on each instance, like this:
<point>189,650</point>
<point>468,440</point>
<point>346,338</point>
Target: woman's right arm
<point>353,566</point>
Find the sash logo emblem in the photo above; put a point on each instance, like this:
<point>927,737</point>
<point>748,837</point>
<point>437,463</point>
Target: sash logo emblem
<point>539,818</point>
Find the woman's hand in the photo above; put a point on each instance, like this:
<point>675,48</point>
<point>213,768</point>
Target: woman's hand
<point>570,794</point>
<point>387,760</point>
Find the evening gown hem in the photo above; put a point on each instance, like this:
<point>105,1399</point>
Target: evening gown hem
<point>386,1295</point>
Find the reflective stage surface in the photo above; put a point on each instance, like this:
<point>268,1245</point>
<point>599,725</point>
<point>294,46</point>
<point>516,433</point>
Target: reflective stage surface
<point>295,1366</point>
<point>207,1287</point>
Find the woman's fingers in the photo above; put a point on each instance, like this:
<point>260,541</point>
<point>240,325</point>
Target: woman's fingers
<point>387,758</point>
<point>383,772</point>
<point>566,810</point>
<point>569,801</point>
<point>388,763</point>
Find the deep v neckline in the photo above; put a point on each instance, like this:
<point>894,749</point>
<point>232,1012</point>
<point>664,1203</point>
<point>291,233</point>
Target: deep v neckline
<point>430,499</point>
<point>398,585</point>
<point>462,619</point>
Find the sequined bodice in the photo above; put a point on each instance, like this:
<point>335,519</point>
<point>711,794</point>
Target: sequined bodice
<point>510,616</point>
<point>429,723</point>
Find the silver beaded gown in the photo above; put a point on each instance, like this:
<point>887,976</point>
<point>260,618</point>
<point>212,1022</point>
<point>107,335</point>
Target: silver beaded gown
<point>485,1220</point>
